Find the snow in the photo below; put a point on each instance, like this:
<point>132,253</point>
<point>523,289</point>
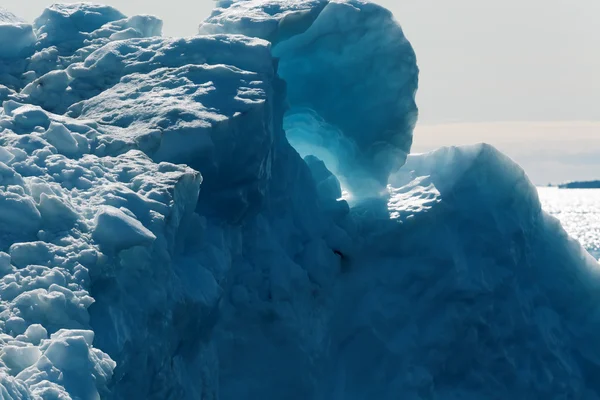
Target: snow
<point>234,215</point>
<point>6,17</point>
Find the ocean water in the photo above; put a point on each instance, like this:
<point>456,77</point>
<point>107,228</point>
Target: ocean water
<point>579,212</point>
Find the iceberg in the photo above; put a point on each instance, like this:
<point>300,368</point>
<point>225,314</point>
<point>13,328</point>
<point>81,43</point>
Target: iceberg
<point>237,215</point>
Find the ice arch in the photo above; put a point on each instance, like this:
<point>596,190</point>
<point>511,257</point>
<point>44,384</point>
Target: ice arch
<point>351,80</point>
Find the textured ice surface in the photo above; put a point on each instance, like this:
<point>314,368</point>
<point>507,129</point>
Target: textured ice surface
<point>188,101</point>
<point>160,238</point>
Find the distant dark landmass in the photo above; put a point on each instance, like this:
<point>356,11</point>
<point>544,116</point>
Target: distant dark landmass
<point>580,185</point>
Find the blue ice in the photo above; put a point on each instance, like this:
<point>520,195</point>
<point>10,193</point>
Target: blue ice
<point>237,215</point>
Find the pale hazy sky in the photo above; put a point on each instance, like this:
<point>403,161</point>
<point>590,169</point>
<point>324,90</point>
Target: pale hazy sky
<point>522,75</point>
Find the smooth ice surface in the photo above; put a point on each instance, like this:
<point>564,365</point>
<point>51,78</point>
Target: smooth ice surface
<point>16,36</point>
<point>333,55</point>
<point>223,217</point>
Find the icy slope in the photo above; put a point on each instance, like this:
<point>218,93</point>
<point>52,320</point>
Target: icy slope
<point>160,238</point>
<point>474,292</point>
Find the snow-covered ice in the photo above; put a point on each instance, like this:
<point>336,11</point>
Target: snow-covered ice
<point>235,215</point>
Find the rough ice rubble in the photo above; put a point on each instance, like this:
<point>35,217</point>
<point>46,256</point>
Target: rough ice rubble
<point>64,34</point>
<point>264,285</point>
<point>127,209</point>
<point>65,213</point>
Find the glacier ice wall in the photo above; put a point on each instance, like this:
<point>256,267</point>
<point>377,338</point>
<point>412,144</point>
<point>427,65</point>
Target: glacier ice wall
<point>171,221</point>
